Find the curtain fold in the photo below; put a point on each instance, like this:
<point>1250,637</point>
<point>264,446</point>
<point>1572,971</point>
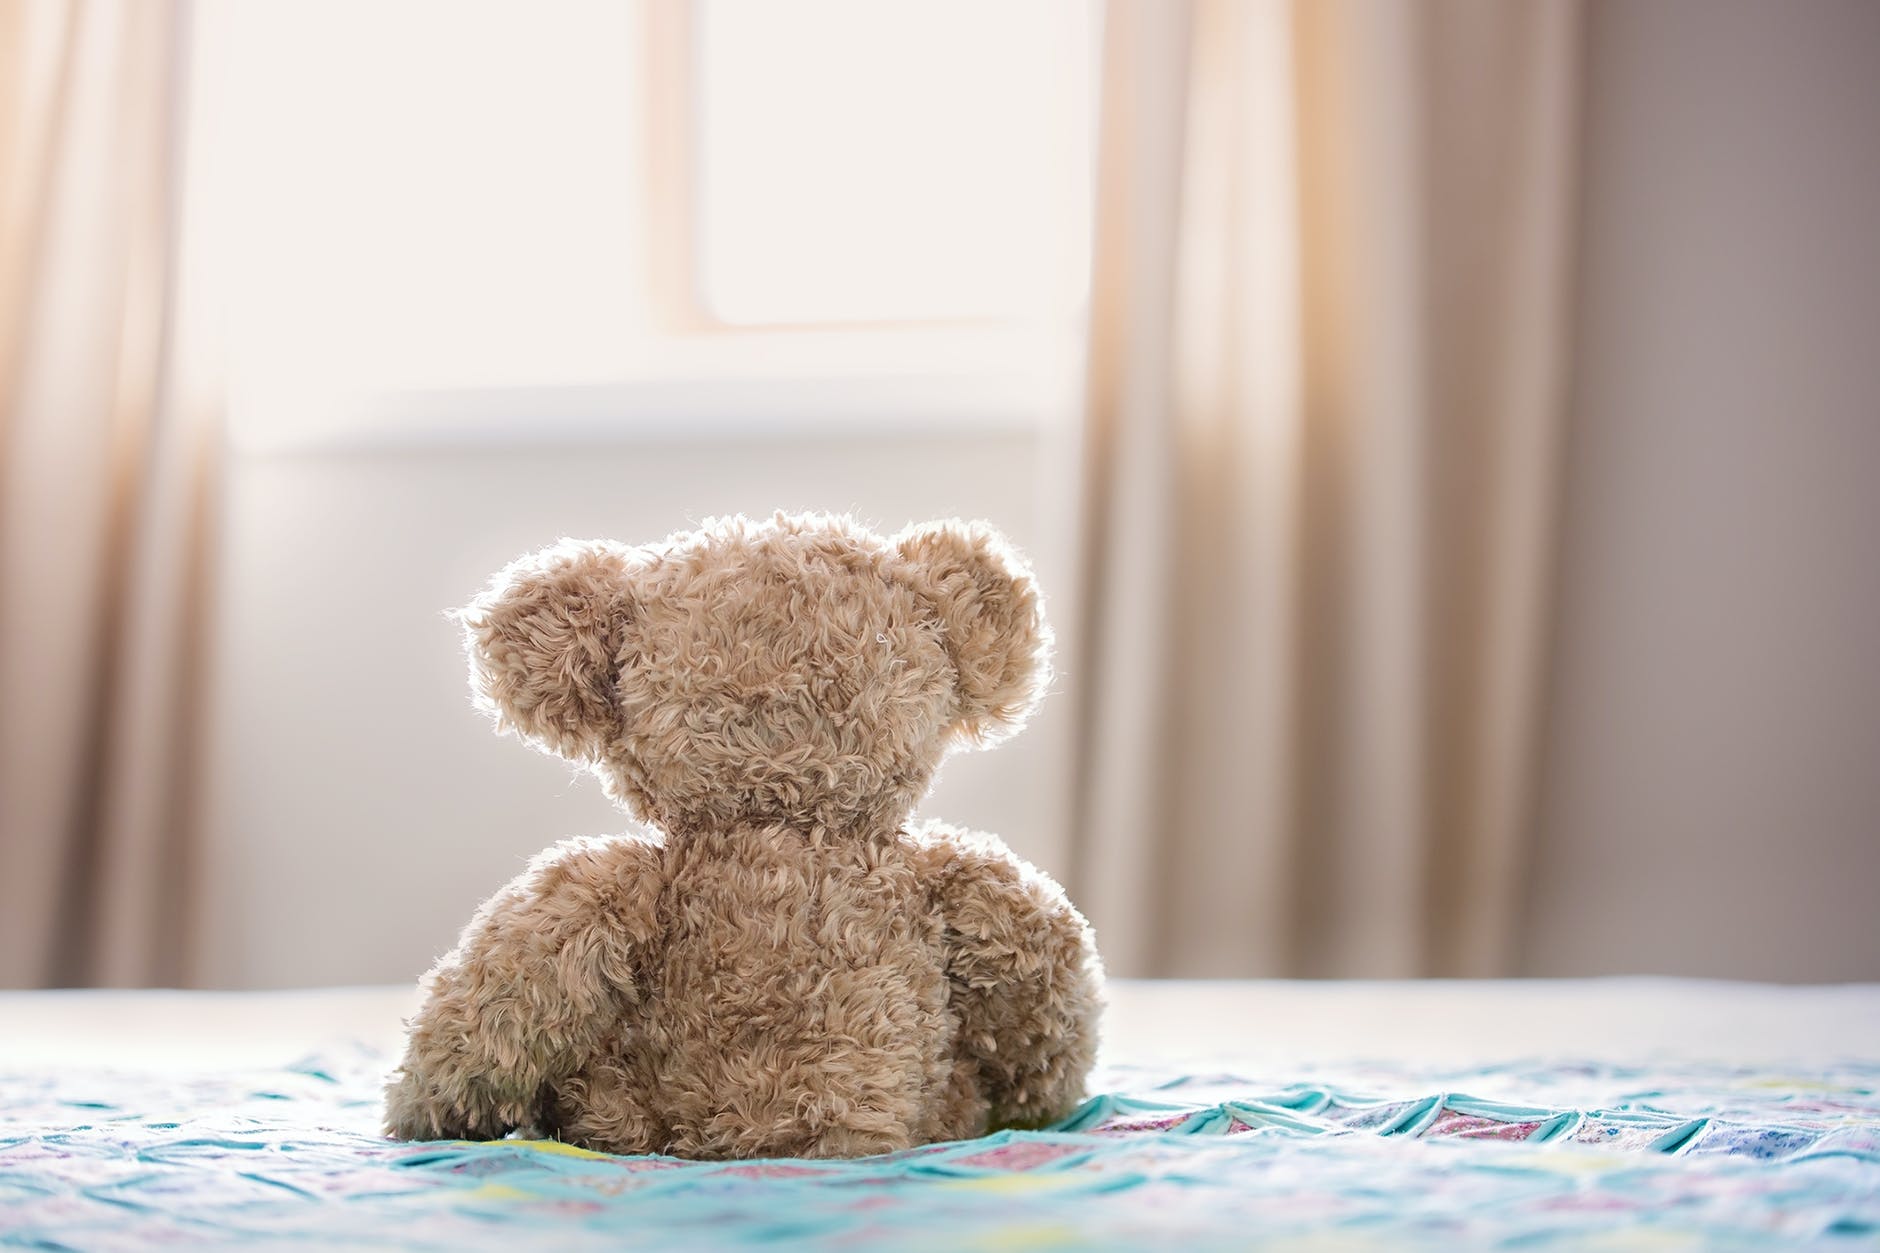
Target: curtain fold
<point>103,477</point>
<point>1328,335</point>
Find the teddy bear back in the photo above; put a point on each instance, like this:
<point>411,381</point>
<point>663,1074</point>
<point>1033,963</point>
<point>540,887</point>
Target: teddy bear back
<point>800,671</point>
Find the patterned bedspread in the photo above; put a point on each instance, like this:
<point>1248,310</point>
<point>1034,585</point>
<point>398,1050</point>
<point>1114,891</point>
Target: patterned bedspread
<point>1528,1155</point>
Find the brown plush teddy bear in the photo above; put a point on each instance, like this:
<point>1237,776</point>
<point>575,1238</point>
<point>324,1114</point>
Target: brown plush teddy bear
<point>782,965</point>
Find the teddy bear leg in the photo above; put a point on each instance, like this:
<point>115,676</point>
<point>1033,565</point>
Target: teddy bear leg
<point>960,1111</point>
<point>436,1095</point>
<point>1027,983</point>
<point>604,1107</point>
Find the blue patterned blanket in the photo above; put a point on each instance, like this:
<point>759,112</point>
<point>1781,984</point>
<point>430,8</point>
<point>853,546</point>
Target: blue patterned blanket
<point>1541,1156</point>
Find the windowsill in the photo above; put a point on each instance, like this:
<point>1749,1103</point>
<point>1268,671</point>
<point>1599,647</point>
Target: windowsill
<point>789,385</point>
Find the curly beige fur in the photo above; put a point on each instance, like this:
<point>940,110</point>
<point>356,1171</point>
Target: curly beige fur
<point>783,966</point>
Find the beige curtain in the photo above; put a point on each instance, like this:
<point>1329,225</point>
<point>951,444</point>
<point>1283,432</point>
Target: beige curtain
<point>101,490</point>
<point>1328,340</point>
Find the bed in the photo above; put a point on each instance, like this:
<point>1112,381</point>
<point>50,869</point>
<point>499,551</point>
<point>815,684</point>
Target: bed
<point>1607,1113</point>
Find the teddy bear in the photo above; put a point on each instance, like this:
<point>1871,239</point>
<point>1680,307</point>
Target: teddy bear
<point>776,961</point>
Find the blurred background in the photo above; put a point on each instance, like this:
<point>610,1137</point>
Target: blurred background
<point>1447,434</point>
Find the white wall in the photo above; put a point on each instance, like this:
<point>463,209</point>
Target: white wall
<point>359,808</point>
<point>1711,801</point>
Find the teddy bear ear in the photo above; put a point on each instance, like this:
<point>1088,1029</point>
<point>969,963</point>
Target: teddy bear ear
<point>544,641</point>
<point>991,621</point>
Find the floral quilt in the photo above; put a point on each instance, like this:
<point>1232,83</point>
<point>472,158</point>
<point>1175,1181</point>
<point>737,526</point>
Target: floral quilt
<point>1529,1156</point>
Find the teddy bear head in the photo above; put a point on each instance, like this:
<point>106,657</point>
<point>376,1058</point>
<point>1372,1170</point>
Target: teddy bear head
<point>800,671</point>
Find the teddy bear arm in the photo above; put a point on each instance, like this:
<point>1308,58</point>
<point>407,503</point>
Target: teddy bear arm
<point>1025,979</point>
<point>541,974</point>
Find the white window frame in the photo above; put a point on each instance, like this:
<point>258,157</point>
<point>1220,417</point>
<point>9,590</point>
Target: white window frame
<point>715,379</point>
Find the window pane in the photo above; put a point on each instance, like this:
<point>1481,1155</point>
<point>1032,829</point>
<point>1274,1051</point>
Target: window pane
<point>892,159</point>
<point>424,192</point>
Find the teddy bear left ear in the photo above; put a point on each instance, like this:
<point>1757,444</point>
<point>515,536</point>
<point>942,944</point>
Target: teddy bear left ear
<point>991,620</point>
<point>544,640</point>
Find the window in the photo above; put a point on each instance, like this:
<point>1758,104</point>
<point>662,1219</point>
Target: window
<point>631,211</point>
<point>924,164</point>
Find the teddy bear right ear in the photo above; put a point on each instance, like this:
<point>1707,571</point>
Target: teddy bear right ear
<point>544,641</point>
<point>990,618</point>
